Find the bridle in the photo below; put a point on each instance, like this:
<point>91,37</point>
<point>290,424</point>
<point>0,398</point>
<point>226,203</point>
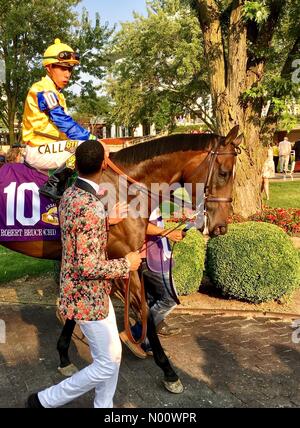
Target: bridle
<point>208,198</point>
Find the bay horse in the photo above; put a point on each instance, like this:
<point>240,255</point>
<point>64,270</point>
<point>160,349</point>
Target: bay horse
<point>183,158</point>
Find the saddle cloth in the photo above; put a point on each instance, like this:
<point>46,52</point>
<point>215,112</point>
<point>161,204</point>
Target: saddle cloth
<point>25,215</point>
<point>157,259</point>
<point>158,250</point>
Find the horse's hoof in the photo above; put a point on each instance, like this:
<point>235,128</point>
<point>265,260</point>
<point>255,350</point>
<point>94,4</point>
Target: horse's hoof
<point>68,371</point>
<point>174,387</point>
<point>167,354</point>
<point>134,348</point>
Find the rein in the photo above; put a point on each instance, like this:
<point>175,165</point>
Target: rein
<point>118,171</point>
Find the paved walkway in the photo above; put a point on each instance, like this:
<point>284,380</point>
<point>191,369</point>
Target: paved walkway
<point>222,362</point>
<point>285,177</point>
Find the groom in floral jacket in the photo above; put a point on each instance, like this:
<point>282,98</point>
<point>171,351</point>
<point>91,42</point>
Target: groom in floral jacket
<point>85,285</point>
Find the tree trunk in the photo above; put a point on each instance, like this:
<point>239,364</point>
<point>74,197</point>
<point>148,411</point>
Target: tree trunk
<point>229,78</point>
<point>247,185</point>
<point>247,189</point>
<point>11,107</point>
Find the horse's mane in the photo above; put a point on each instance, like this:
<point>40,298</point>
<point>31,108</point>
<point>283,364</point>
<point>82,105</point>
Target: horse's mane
<point>163,145</point>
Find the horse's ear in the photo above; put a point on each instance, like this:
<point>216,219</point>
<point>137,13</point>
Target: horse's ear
<point>238,140</point>
<point>232,135</point>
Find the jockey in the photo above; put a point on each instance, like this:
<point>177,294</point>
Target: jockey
<point>50,134</point>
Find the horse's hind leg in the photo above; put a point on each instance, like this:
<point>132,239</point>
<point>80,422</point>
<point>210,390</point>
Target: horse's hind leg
<point>171,381</point>
<point>66,367</point>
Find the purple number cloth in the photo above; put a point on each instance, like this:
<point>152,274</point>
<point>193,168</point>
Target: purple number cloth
<point>25,215</point>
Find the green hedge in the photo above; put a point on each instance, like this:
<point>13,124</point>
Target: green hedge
<point>255,262</point>
<point>189,258</point>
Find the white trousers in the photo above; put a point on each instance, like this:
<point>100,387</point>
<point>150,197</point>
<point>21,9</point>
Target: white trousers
<point>102,374</point>
<point>51,155</point>
<point>284,163</point>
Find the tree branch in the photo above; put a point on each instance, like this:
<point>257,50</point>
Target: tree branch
<point>237,55</point>
<point>209,18</point>
<point>263,36</point>
<point>211,124</point>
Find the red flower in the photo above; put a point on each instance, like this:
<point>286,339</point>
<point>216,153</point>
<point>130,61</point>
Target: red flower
<point>287,219</point>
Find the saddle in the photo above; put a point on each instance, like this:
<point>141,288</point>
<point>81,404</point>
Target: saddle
<point>25,214</point>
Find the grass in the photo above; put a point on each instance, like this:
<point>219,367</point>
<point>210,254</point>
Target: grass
<point>284,194</point>
<point>14,265</point>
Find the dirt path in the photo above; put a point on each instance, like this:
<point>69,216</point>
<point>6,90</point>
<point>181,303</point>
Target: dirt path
<point>210,300</point>
<point>44,291</point>
<point>41,290</point>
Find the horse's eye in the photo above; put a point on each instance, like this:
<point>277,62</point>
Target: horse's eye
<point>223,174</point>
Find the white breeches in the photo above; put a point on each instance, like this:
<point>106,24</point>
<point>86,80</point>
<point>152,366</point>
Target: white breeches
<point>51,155</point>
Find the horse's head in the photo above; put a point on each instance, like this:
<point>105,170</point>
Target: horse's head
<point>185,159</point>
<point>219,185</point>
<point>215,167</point>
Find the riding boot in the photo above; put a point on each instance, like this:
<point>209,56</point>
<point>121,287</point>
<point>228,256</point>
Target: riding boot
<point>57,183</point>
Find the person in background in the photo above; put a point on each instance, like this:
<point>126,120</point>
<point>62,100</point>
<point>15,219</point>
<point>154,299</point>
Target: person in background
<point>15,154</point>
<point>285,148</point>
<point>85,285</point>
<point>2,160</point>
<point>268,172</point>
<point>293,162</point>
<point>276,156</point>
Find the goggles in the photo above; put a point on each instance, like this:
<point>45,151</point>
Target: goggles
<point>65,56</point>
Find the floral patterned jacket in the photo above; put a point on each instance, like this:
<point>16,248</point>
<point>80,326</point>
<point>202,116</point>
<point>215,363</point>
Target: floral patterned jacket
<point>85,272</point>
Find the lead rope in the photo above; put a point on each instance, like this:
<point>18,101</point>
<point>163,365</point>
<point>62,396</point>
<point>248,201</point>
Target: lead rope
<point>144,312</point>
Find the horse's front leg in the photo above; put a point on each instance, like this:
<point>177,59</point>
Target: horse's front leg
<point>66,368</point>
<point>171,380</point>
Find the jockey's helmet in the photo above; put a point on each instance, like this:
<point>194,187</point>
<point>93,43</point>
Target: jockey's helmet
<point>60,53</point>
